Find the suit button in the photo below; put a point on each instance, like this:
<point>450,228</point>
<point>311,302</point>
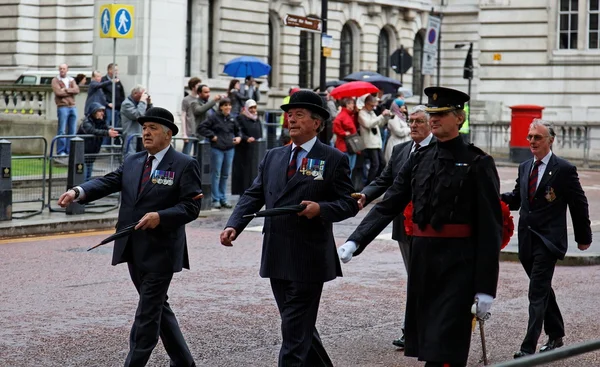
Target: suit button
<point>529,227</point>
<point>530,212</point>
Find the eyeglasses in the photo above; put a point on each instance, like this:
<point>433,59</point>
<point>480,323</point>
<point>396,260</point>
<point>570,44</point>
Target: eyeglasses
<point>418,121</point>
<point>536,137</point>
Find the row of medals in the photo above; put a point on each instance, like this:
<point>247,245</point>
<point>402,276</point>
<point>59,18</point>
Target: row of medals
<point>161,180</point>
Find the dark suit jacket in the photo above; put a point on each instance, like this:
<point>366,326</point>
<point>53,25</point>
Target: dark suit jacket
<point>546,217</point>
<point>400,154</point>
<point>297,248</point>
<point>164,248</point>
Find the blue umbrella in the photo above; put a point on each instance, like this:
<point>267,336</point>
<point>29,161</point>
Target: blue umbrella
<point>242,66</point>
<point>387,85</point>
<point>360,75</point>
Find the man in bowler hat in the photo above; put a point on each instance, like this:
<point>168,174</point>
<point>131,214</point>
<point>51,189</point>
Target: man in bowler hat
<point>299,252</point>
<point>158,188</point>
<point>457,232</point>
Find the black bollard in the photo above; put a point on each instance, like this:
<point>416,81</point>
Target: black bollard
<point>76,174</point>
<point>5,181</point>
<point>203,157</point>
<point>259,149</point>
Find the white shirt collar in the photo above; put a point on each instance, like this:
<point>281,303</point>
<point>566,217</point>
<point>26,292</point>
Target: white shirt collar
<point>427,140</point>
<point>160,155</point>
<point>546,159</point>
<point>308,145</point>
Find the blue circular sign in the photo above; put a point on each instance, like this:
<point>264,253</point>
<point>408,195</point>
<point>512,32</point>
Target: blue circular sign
<point>123,21</point>
<point>431,36</point>
<point>105,21</point>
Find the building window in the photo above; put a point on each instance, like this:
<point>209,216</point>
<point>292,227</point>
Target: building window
<point>307,61</point>
<point>383,53</point>
<point>567,20</point>
<point>417,81</point>
<point>188,40</point>
<point>346,51</point>
<point>594,26</point>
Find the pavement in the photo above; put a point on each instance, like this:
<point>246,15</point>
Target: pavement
<point>59,222</point>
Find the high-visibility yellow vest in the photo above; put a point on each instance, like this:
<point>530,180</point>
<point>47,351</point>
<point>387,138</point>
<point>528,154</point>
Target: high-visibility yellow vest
<point>465,127</point>
<point>286,100</point>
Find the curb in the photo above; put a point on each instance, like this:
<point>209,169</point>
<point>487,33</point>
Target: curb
<point>570,260</point>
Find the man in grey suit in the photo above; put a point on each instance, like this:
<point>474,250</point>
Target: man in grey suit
<point>299,252</point>
<point>420,132</point>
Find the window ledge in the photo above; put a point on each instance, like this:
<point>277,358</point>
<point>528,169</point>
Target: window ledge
<point>575,57</point>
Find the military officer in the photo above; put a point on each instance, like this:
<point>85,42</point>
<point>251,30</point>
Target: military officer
<point>457,233</point>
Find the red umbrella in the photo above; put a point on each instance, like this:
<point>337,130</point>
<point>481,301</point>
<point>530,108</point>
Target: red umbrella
<point>353,89</point>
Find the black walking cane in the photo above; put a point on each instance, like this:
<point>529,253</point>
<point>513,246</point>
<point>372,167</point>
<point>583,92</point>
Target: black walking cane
<point>481,321</point>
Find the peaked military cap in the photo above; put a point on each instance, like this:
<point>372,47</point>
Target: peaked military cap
<point>443,99</point>
<point>160,116</point>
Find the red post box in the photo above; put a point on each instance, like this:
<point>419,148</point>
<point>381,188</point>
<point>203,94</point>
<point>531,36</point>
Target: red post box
<point>520,119</point>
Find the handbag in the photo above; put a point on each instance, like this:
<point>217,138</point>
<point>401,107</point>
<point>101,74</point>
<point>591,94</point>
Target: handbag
<point>354,143</point>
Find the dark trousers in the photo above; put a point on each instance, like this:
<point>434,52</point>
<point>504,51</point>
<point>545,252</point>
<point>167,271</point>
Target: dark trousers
<point>153,319</point>
<point>438,364</point>
<point>373,155</point>
<point>298,305</point>
<point>543,308</point>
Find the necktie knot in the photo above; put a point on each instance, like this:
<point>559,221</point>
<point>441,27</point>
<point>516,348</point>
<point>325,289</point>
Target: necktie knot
<point>417,146</point>
<point>538,162</point>
<point>146,173</point>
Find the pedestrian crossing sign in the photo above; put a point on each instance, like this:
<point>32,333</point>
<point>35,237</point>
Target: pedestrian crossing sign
<point>116,21</point>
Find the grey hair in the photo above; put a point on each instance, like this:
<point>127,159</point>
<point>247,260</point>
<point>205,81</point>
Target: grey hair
<point>95,72</point>
<point>316,116</point>
<point>539,122</point>
<point>138,88</point>
<point>419,108</point>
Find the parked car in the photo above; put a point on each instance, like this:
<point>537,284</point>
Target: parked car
<point>44,77</point>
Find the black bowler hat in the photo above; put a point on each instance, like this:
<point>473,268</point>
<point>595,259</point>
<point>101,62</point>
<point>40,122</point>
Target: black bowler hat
<point>443,99</point>
<point>306,98</point>
<point>160,116</point>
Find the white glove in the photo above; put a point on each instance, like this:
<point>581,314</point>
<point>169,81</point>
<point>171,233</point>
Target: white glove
<point>346,250</point>
<point>483,305</point>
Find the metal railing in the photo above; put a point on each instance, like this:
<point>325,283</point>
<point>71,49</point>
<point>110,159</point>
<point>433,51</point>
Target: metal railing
<point>553,355</point>
<point>30,183</point>
<point>57,182</point>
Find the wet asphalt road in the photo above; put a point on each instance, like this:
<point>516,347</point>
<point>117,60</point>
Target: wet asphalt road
<point>63,306</point>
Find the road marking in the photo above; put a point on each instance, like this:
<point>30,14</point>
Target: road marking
<point>54,237</point>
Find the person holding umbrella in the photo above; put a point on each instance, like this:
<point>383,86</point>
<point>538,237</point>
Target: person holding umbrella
<point>299,252</point>
<point>369,131</point>
<point>158,187</point>
<point>236,97</point>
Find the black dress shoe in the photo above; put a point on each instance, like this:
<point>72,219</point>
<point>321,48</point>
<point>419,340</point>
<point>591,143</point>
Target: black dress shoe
<point>399,342</point>
<point>520,354</point>
<point>552,344</point>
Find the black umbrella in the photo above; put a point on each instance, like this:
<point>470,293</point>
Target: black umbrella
<point>386,84</point>
<point>360,75</point>
<point>125,231</point>
<point>278,211</point>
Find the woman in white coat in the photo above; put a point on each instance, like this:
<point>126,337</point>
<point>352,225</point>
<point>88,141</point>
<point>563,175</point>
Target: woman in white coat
<point>369,132</point>
<point>397,126</point>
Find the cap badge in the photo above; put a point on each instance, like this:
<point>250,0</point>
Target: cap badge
<point>435,96</point>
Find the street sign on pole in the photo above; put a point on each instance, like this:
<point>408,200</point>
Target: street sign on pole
<point>307,24</point>
<point>429,63</point>
<point>433,33</point>
<point>116,21</point>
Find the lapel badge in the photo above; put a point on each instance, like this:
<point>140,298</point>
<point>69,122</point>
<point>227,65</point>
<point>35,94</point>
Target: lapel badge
<point>550,195</point>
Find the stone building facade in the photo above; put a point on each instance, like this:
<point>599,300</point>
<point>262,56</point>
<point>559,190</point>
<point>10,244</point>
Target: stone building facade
<point>525,52</point>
